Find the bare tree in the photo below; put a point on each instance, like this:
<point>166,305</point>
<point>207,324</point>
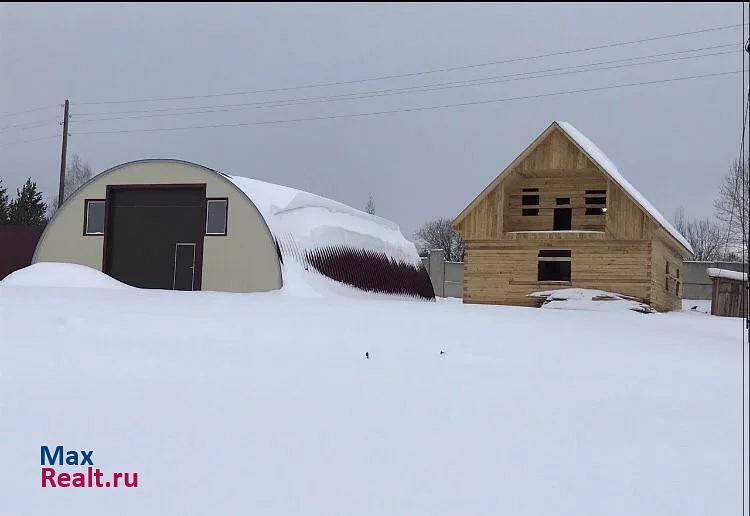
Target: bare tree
<point>439,234</point>
<point>370,206</point>
<point>77,172</point>
<point>705,236</point>
<point>732,206</point>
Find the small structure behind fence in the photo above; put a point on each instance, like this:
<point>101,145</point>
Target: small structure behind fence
<point>729,295</point>
<point>447,277</point>
<point>696,283</point>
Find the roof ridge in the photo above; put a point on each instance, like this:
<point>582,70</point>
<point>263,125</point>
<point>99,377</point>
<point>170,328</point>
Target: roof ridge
<point>608,166</point>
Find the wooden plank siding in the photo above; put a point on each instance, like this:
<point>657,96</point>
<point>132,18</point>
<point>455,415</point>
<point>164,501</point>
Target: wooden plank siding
<point>625,219</point>
<point>505,271</point>
<point>557,235</point>
<point>485,221</point>
<point>623,250</point>
<point>555,152</point>
<point>661,298</point>
<point>550,189</point>
<point>728,297</point>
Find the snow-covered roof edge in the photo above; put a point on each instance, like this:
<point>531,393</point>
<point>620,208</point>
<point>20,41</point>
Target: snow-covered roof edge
<point>601,159</point>
<point>320,238</point>
<point>726,274</point>
<point>272,199</point>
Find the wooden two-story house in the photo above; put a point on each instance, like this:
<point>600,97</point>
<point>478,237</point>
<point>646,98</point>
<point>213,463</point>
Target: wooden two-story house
<point>561,215</point>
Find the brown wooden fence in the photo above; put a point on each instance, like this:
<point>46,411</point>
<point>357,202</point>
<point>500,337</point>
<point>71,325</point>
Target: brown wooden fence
<point>17,244</point>
<point>729,297</point>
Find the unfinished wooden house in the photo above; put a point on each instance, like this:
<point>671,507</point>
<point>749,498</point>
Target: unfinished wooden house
<point>561,215</point>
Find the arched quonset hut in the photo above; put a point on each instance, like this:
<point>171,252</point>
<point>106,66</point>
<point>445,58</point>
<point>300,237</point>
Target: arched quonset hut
<point>170,224</point>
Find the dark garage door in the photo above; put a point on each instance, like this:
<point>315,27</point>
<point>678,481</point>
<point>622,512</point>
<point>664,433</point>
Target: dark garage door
<point>155,236</point>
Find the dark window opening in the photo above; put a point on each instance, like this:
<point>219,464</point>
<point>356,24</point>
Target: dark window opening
<point>596,192</point>
<point>530,200</point>
<point>596,200</point>
<point>667,267</point>
<point>677,288</point>
<point>564,201</point>
<point>562,219</point>
<point>594,211</point>
<point>528,212</point>
<point>553,265</point>
<point>678,273</point>
<point>94,218</point>
<point>554,253</point>
<point>216,216</point>
<point>531,189</point>
<point>553,271</point>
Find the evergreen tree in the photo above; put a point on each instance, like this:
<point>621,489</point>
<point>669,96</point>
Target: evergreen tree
<point>3,203</point>
<point>27,208</point>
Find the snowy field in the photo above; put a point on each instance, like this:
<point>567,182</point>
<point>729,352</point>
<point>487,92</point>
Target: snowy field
<point>264,404</point>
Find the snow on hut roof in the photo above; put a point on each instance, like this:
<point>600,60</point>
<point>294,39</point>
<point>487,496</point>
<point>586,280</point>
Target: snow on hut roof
<point>308,221</point>
<point>726,274</point>
<point>598,156</point>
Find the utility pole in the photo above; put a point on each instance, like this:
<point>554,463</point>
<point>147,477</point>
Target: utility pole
<point>746,247</point>
<point>61,193</point>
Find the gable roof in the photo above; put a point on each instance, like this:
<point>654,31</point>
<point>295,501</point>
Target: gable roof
<point>600,159</point>
<point>597,156</point>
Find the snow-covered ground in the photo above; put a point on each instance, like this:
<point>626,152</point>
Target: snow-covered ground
<point>702,306</point>
<point>263,404</point>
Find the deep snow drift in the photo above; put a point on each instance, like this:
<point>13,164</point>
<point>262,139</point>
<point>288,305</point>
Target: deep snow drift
<point>308,221</point>
<point>264,404</point>
<point>47,274</point>
<point>327,239</point>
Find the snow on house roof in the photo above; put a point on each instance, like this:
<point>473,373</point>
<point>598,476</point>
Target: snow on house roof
<point>601,159</point>
<point>307,221</point>
<point>726,274</point>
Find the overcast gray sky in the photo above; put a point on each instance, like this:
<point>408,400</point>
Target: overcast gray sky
<point>673,141</point>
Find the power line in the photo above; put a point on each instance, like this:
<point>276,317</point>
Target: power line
<point>4,115</point>
<point>467,81</point>
<point>423,72</point>
<point>414,109</point>
<point>162,112</point>
<point>361,97</point>
<point>28,125</point>
<point>5,144</point>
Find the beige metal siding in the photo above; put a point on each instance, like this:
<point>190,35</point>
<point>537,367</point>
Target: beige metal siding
<point>244,260</point>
